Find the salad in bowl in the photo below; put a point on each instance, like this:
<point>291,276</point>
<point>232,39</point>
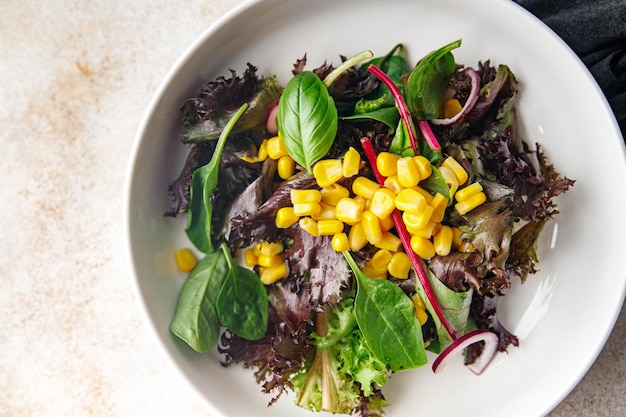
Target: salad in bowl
<point>346,223</point>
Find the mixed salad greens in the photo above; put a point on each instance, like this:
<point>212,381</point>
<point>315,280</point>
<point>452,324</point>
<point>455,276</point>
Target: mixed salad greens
<point>309,275</point>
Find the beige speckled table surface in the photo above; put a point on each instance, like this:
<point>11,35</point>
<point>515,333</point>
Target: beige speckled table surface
<point>75,79</point>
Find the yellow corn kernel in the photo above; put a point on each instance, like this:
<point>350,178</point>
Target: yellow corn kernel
<point>382,202</point>
<point>386,162</point>
<point>269,261</point>
<point>381,258</point>
<point>457,242</point>
<point>393,184</point>
<point>357,238</point>
<point>426,232</point>
<point>286,167</point>
<point>309,225</point>
<point>185,259</point>
<point>249,159</point>
<point>423,166</point>
<point>340,243</point>
<point>270,248</point>
<point>333,193</point>
<point>351,163</point>
<point>422,247</point>
<point>257,249</point>
<point>374,273</point>
<point>421,315</point>
<point>471,203</point>
<point>328,172</point>
<point>410,200</point>
<point>285,217</point>
<point>306,209</point>
<point>364,202</point>
<point>465,193</point>
<point>327,213</point>
<point>399,265</point>
<point>442,241</point>
<point>364,187</point>
<point>418,302</point>
<point>387,223</point>
<point>371,227</point>
<point>272,274</point>
<point>452,108</point>
<point>305,196</point>
<point>428,196</point>
<point>262,153</point>
<point>329,227</point>
<point>408,174</point>
<point>390,242</point>
<point>420,220</point>
<point>439,204</point>
<point>450,179</point>
<point>460,172</point>
<point>276,147</point>
<point>249,257</point>
<point>349,211</point>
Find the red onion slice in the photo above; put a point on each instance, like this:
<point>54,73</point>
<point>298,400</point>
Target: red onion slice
<point>458,345</point>
<point>469,103</point>
<point>271,125</point>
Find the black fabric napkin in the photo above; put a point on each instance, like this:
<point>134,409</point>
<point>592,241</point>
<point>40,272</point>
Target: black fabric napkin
<point>596,32</point>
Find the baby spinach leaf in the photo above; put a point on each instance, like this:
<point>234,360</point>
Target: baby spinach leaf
<point>386,115</point>
<point>386,317</point>
<point>456,307</point>
<point>428,81</point>
<point>435,183</point>
<point>307,119</point>
<point>203,182</point>
<point>195,319</point>
<point>242,304</point>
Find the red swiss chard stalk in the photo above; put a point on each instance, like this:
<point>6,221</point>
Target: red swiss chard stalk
<point>406,242</point>
<point>400,103</point>
<point>431,140</point>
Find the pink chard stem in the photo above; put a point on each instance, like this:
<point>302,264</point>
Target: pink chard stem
<point>400,103</point>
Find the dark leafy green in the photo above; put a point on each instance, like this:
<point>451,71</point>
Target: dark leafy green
<point>206,114</point>
<point>307,119</point>
<point>427,83</point>
<point>242,303</point>
<point>386,316</point>
<point>203,182</point>
<point>195,319</point>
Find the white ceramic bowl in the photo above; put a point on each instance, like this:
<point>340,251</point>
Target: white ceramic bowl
<point>563,315</point>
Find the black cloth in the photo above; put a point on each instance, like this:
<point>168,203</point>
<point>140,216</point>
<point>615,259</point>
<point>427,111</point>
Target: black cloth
<point>596,32</point>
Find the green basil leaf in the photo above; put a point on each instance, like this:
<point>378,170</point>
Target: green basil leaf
<point>428,81</point>
<point>195,319</point>
<point>386,317</point>
<point>242,304</point>
<point>455,305</point>
<point>307,119</point>
<point>203,182</point>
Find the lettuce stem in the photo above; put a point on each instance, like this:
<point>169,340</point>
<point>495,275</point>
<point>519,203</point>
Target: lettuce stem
<point>345,65</point>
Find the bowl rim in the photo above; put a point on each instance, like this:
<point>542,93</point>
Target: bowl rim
<point>131,167</point>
